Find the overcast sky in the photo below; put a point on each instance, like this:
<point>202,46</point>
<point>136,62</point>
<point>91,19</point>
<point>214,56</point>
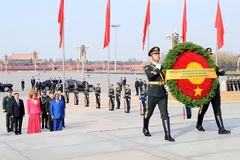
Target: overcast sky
<point>28,25</point>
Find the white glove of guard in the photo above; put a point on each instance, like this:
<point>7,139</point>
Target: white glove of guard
<point>158,66</point>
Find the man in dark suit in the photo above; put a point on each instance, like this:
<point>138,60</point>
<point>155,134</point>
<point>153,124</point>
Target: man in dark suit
<point>137,84</point>
<point>33,82</point>
<point>38,87</point>
<point>22,84</point>
<point>57,112</point>
<point>156,94</point>
<point>17,112</point>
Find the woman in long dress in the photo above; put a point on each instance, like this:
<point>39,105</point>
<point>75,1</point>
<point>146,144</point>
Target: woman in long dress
<point>34,113</point>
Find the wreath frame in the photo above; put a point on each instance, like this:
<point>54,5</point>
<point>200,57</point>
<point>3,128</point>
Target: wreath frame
<point>170,60</point>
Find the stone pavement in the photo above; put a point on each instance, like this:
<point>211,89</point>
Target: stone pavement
<point>92,133</point>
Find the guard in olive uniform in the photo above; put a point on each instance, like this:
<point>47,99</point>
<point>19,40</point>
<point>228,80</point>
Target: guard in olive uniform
<point>66,90</point>
<point>86,94</point>
<point>6,104</point>
<point>156,94</point>
<point>111,97</point>
<point>228,83</point>
<point>97,91</point>
<point>118,95</point>
<point>43,100</point>
<point>75,91</point>
<point>216,102</point>
<point>127,97</point>
<point>48,104</point>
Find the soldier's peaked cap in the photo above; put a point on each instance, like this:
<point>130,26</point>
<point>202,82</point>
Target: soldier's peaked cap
<point>209,49</point>
<point>154,50</point>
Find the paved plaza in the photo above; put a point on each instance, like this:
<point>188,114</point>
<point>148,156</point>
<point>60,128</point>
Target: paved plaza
<point>92,133</point>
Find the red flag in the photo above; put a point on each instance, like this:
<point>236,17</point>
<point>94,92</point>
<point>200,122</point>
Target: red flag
<point>184,23</point>
<point>146,23</point>
<point>107,26</point>
<point>60,21</point>
<point>220,28</point>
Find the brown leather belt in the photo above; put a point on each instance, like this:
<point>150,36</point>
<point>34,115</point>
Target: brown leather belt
<point>161,83</point>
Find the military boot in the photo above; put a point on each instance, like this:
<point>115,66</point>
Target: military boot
<point>145,127</point>
<point>221,129</point>
<point>199,123</point>
<point>166,127</point>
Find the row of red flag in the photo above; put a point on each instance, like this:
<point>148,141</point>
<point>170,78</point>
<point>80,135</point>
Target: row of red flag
<point>218,24</point>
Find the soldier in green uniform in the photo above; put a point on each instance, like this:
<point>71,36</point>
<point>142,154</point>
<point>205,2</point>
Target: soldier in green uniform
<point>97,91</point>
<point>111,96</point>
<point>86,94</point>
<point>75,91</point>
<point>235,81</point>
<point>118,95</point>
<point>48,104</point>
<point>66,90</point>
<point>156,94</point>
<point>6,104</point>
<point>127,97</point>
<point>216,104</point>
<point>228,84</point>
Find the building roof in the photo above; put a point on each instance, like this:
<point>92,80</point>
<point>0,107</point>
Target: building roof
<point>24,56</point>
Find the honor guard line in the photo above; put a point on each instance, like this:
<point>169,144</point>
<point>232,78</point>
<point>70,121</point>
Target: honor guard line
<point>190,73</point>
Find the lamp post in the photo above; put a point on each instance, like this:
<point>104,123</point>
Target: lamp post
<point>6,62</point>
<point>174,39</point>
<point>82,57</point>
<point>35,59</point>
<point>115,64</point>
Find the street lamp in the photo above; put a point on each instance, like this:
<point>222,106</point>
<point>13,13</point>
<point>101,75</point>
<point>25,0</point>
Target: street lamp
<point>6,62</point>
<point>35,59</point>
<point>174,39</point>
<point>82,57</point>
<point>115,64</point>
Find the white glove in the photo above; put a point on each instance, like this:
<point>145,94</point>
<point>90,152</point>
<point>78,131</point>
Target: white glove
<point>158,66</point>
<point>4,113</point>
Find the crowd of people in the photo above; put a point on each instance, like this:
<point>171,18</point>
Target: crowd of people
<point>233,83</point>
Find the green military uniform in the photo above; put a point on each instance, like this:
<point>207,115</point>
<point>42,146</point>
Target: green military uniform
<point>235,82</point>
<point>156,94</point>
<point>97,91</point>
<point>75,91</point>
<point>111,96</point>
<point>48,104</point>
<point>127,97</point>
<point>118,96</point>
<point>66,90</point>
<point>228,83</point>
<point>6,104</point>
<point>216,103</point>
<point>86,94</point>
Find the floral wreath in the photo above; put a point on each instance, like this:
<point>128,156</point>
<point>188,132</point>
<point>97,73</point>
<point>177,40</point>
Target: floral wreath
<point>192,92</point>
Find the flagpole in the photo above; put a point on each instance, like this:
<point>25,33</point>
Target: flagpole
<point>216,51</point>
<point>108,65</point>
<point>63,64</point>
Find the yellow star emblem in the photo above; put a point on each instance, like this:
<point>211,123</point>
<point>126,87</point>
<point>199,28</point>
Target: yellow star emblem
<point>198,91</point>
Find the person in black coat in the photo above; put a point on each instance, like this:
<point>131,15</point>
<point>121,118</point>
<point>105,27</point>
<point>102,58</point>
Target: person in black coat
<point>22,84</point>
<point>38,87</point>
<point>137,87</point>
<point>33,82</point>
<point>17,112</point>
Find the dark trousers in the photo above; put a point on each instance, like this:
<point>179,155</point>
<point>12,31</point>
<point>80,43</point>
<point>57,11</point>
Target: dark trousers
<point>67,96</point>
<point>39,91</point>
<point>97,100</point>
<point>9,122</point>
<point>57,123</point>
<point>118,101</point>
<point>128,102</point>
<point>143,101</point>
<point>137,90</point>
<point>18,124</point>
<point>162,105</point>
<point>50,122</point>
<point>216,103</point>
<point>44,119</point>
<point>33,85</point>
<point>111,102</point>
<point>87,99</point>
